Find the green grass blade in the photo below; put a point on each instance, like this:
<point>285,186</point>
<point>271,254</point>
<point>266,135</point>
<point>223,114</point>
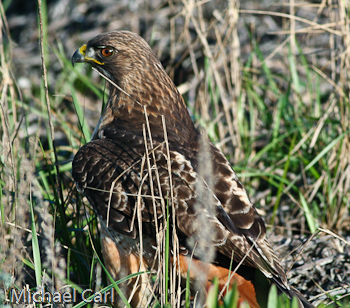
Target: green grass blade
<point>36,249</point>
<point>272,144</point>
<point>311,221</point>
<point>284,177</point>
<point>106,289</point>
<point>326,150</point>
<point>212,298</point>
<point>273,297</point>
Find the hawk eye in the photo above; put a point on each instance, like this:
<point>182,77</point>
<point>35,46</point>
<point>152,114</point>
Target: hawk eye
<point>107,52</point>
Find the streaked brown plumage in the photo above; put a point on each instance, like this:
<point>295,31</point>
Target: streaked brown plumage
<point>111,172</point>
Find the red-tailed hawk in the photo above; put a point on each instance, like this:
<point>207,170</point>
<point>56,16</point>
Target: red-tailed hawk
<point>128,167</point>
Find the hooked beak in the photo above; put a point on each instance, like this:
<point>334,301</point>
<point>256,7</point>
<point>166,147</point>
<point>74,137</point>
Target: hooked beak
<point>79,55</point>
<point>83,55</point>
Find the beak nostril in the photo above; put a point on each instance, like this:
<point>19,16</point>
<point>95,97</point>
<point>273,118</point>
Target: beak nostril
<point>82,49</point>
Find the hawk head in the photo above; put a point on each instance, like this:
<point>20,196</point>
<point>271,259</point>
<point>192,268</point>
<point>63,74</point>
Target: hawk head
<point>119,55</point>
<point>137,80</point>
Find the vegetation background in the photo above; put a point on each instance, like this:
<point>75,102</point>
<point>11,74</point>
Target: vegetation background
<point>268,81</point>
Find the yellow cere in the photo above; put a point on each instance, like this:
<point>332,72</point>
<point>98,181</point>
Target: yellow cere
<point>82,50</point>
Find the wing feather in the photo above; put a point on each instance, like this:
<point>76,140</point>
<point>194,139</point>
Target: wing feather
<point>102,170</point>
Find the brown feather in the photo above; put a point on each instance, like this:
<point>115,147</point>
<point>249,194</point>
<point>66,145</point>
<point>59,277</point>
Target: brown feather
<point>110,172</point>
